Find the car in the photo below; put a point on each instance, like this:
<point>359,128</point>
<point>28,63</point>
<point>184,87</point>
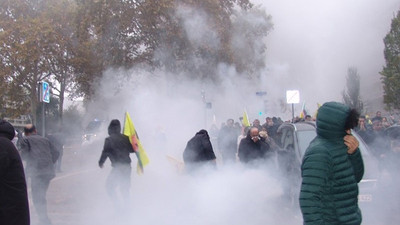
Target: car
<point>293,140</point>
<point>93,130</point>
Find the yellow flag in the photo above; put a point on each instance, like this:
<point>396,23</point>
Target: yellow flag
<point>246,121</point>
<point>130,131</point>
<point>316,112</point>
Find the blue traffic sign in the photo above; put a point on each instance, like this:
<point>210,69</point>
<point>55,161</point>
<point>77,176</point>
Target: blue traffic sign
<point>45,92</point>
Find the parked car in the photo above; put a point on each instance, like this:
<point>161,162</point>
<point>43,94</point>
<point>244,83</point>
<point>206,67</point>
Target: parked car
<point>293,140</point>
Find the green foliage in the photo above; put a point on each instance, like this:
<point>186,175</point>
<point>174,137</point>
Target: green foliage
<point>351,95</point>
<point>391,71</point>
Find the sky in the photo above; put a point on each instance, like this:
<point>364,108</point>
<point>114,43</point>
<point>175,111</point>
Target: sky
<point>315,42</point>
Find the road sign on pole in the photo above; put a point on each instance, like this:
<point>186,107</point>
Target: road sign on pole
<point>45,92</point>
<point>292,96</point>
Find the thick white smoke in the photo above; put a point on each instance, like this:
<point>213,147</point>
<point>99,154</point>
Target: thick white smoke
<point>305,52</point>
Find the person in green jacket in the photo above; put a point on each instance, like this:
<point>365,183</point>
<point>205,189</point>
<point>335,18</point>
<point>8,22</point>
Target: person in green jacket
<point>331,169</point>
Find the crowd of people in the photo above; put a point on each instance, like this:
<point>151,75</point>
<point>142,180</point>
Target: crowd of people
<point>372,131</point>
<point>234,142</point>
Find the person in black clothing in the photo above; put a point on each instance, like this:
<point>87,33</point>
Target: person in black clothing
<point>199,152</point>
<point>252,148</point>
<point>40,156</point>
<point>14,206</point>
<point>117,148</point>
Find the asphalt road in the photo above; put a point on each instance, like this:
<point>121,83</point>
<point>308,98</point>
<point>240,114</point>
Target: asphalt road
<point>71,192</point>
<point>77,196</point>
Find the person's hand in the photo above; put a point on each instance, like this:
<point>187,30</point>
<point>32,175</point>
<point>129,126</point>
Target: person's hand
<point>352,144</point>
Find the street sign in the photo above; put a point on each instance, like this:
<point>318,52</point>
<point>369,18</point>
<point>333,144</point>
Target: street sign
<point>261,93</point>
<point>292,96</point>
<point>45,92</point>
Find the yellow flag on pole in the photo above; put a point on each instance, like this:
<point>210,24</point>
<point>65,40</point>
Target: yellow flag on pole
<point>316,112</point>
<point>130,131</point>
<point>246,121</point>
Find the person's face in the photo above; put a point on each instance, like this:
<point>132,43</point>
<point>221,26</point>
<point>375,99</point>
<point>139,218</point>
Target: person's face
<point>377,126</point>
<point>229,123</point>
<point>270,122</point>
<point>256,123</point>
<point>254,134</point>
<point>361,122</point>
<point>378,114</point>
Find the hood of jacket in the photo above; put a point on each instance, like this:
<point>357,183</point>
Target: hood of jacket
<point>202,133</point>
<point>6,130</point>
<point>114,127</point>
<point>331,120</point>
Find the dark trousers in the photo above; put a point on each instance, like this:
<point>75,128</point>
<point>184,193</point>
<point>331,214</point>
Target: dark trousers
<point>119,179</point>
<point>39,187</point>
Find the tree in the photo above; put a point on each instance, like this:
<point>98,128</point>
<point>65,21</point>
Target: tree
<point>35,45</point>
<point>390,74</point>
<point>190,37</point>
<point>61,53</point>
<point>351,95</point>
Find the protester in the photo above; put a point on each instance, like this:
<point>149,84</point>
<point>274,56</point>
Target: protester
<point>14,206</point>
<point>271,125</point>
<point>199,153</point>
<point>332,166</point>
<point>377,140</point>
<point>256,123</point>
<point>378,116</point>
<point>252,148</point>
<point>362,129</point>
<point>385,123</point>
<point>268,124</point>
<point>267,139</point>
<point>117,148</point>
<point>40,156</point>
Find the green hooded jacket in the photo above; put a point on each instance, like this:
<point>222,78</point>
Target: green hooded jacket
<point>330,175</point>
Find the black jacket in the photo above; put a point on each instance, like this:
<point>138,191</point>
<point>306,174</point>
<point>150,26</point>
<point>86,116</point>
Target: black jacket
<point>117,146</point>
<point>199,149</point>
<point>250,150</point>
<point>40,155</point>
<point>14,207</point>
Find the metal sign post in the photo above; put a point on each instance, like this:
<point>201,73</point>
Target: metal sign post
<point>44,98</point>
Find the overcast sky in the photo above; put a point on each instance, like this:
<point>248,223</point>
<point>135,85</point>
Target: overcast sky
<point>314,42</point>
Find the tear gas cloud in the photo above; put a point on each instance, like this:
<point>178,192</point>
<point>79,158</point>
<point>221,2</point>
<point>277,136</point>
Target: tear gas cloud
<point>160,104</point>
<point>314,43</point>
<point>163,106</point>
